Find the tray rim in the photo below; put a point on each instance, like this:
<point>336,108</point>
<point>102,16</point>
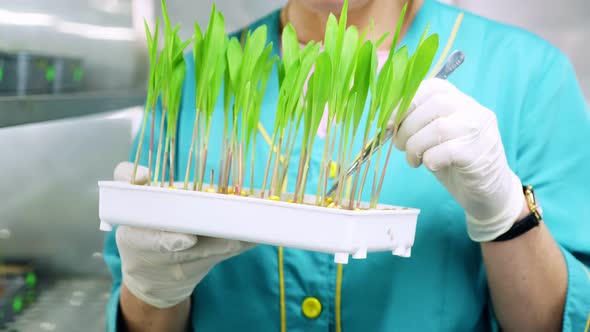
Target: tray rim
<point>391,209</point>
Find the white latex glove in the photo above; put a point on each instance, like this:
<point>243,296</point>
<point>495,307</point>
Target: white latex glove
<point>163,268</point>
<point>458,140</point>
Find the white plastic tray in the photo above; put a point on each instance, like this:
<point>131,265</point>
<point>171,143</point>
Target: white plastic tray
<point>340,232</point>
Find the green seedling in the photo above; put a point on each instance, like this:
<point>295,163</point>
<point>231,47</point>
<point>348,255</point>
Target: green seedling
<point>293,72</point>
<point>345,84</point>
<point>152,96</point>
<point>171,70</point>
<point>209,58</point>
<point>416,72</point>
<point>248,71</point>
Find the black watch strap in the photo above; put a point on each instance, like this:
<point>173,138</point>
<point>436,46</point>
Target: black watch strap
<point>529,222</point>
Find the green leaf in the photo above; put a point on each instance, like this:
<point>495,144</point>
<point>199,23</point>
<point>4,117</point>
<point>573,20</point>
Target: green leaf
<point>422,60</point>
<point>321,91</point>
<point>362,80</point>
<point>342,24</point>
<point>286,95</point>
<point>331,37</point>
<point>166,18</point>
<point>153,86</point>
<point>261,77</point>
<point>373,84</point>
<point>213,51</point>
<point>400,22</point>
<point>234,60</point>
<point>254,46</point>
<point>198,50</point>
<point>393,96</point>
<point>308,58</point>
<point>227,85</point>
<point>379,42</point>
<point>290,44</point>
<point>424,34</point>
<point>346,68</point>
<point>176,82</point>
<point>215,83</point>
<point>148,35</point>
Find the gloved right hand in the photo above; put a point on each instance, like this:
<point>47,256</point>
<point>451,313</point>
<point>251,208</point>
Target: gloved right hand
<point>163,268</point>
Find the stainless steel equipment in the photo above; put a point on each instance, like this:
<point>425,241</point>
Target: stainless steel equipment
<point>25,73</point>
<point>69,74</point>
<point>57,143</point>
<point>68,305</point>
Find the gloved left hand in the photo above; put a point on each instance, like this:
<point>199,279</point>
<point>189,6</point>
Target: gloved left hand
<point>458,140</point>
<point>163,268</point>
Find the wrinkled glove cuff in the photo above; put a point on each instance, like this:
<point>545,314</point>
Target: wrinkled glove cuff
<point>489,229</point>
<point>151,296</point>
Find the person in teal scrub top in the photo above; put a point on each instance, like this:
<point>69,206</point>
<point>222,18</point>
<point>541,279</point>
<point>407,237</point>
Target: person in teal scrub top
<point>513,115</point>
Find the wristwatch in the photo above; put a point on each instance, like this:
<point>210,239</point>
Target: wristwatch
<point>529,222</point>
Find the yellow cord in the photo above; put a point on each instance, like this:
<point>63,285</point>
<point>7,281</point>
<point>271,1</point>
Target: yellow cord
<point>588,321</point>
<point>337,306</point>
<point>268,140</point>
<point>282,292</point>
<point>449,45</point>
<point>338,297</point>
<point>264,134</point>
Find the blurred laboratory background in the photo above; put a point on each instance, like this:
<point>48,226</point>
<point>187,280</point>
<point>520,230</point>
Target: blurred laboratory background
<point>72,85</point>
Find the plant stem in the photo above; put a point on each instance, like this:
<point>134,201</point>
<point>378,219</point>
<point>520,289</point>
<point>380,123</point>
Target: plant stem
<point>304,178</point>
<point>224,171</point>
<point>211,179</point>
<point>235,151</point>
<point>235,166</point>
<point>199,166</point>
<point>349,189</point>
<point>308,151</point>
<point>227,170</point>
<point>290,147</point>
<point>330,154</point>
<point>164,160</point>
<point>323,180</point>
<point>252,165</point>
<point>190,151</point>
<point>362,185</point>
<point>204,156</point>
<point>302,159</point>
<point>378,193</point>
<point>140,144</point>
<point>240,168</point>
<point>340,163</point>
<point>172,161</point>
<point>375,177</point>
<point>267,168</point>
<point>202,166</point>
<point>358,170</point>
<point>150,156</point>
<point>277,166</point>
<point>224,150</point>
<point>198,156</point>
<point>160,138</point>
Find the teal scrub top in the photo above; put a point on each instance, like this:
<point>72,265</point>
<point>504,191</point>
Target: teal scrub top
<point>545,126</point>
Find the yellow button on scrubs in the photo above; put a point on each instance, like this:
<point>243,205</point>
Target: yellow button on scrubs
<point>311,307</point>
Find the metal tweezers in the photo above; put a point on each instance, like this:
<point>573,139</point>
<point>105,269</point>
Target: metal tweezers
<point>453,62</point>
